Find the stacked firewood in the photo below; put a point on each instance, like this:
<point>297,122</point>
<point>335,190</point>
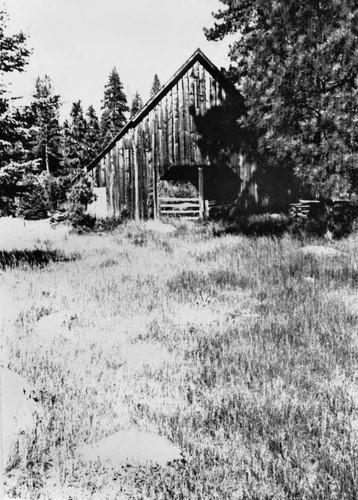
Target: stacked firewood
<point>304,209</point>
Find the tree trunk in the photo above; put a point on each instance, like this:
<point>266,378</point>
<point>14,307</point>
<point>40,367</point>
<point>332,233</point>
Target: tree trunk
<point>46,160</point>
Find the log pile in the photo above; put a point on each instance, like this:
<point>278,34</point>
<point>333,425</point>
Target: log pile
<point>310,209</point>
<point>304,209</point>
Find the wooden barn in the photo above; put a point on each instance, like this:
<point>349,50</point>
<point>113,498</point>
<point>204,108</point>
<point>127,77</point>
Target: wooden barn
<point>188,131</point>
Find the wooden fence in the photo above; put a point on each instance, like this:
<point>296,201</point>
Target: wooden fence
<point>187,208</point>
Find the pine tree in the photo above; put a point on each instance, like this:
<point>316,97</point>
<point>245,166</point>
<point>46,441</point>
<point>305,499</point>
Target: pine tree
<point>74,139</point>
<point>137,104</point>
<point>14,57</point>
<point>114,108</point>
<point>46,136</point>
<point>297,66</point>
<point>107,128</point>
<point>92,138</point>
<point>16,174</point>
<point>155,86</point>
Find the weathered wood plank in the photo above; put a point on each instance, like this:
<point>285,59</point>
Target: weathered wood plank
<point>176,125</point>
<point>166,136</point>
<point>201,192</point>
<point>179,200</point>
<point>181,123</point>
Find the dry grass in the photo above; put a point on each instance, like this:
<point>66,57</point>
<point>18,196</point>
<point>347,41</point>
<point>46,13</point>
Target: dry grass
<point>243,363</point>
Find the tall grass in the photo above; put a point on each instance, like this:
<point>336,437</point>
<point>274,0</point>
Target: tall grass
<point>262,400</point>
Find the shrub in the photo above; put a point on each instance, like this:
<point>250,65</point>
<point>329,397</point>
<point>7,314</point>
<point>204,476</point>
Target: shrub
<point>177,189</point>
<point>82,192</point>
<point>36,257</point>
<point>34,205</point>
<point>263,225</point>
<point>8,207</point>
<point>81,195</point>
<point>308,227</point>
<point>79,218</point>
<point>254,225</point>
<point>110,223</point>
<point>336,218</point>
<point>341,218</point>
<point>137,235</point>
<point>56,189</point>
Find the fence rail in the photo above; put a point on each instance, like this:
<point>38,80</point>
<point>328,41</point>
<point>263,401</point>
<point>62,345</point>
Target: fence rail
<point>187,208</point>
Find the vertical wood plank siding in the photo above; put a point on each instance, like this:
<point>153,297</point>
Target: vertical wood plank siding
<point>164,137</point>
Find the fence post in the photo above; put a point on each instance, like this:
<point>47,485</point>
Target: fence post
<point>201,192</point>
<point>136,177</point>
<point>207,209</point>
<point>156,206</point>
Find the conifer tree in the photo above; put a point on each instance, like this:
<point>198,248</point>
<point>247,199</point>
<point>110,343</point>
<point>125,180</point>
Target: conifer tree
<point>46,135</point>
<point>155,86</point>
<point>297,66</point>
<point>16,174</point>
<point>92,137</point>
<point>74,139</point>
<point>114,108</point>
<point>137,104</point>
<point>107,128</point>
<point>14,57</point>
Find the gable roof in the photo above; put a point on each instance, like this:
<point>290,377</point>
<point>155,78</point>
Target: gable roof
<point>197,56</point>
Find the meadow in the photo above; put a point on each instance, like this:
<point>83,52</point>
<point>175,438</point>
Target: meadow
<point>242,351</point>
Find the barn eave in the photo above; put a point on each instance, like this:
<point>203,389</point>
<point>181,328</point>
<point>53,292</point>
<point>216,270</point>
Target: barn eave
<point>197,56</point>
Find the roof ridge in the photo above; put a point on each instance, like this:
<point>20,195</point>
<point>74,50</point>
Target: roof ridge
<point>132,122</point>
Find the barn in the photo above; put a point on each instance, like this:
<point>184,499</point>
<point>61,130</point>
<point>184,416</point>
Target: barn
<point>188,131</point>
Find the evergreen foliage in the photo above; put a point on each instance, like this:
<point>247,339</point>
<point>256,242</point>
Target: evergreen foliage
<point>74,139</point>
<point>46,130</point>
<point>155,86</point>
<point>16,179</point>
<point>13,50</point>
<point>107,128</point>
<point>92,137</point>
<point>34,204</point>
<point>296,64</point>
<point>14,57</point>
<point>80,196</point>
<point>114,108</point>
<point>16,175</point>
<point>137,104</point>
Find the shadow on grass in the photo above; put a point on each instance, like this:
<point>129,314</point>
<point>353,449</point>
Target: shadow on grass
<point>33,257</point>
<point>254,225</point>
<point>337,270</point>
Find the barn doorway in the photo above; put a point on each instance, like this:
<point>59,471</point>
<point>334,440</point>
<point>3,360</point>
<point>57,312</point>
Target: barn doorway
<point>194,189</point>
<point>178,199</point>
<point>179,193</point>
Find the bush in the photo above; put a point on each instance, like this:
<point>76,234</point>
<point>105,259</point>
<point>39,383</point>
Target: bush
<point>36,257</point>
<point>177,189</point>
<point>8,206</point>
<point>263,225</point>
<point>34,205</point>
<point>308,227</point>
<point>81,194</point>
<point>254,225</point>
<point>110,223</point>
<point>341,218</point>
<point>79,218</point>
<point>337,218</point>
<point>56,189</point>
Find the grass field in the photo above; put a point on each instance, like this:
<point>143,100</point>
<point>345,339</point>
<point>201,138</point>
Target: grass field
<point>243,352</point>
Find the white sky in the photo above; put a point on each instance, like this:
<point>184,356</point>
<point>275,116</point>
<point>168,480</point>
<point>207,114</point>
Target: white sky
<point>78,42</point>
